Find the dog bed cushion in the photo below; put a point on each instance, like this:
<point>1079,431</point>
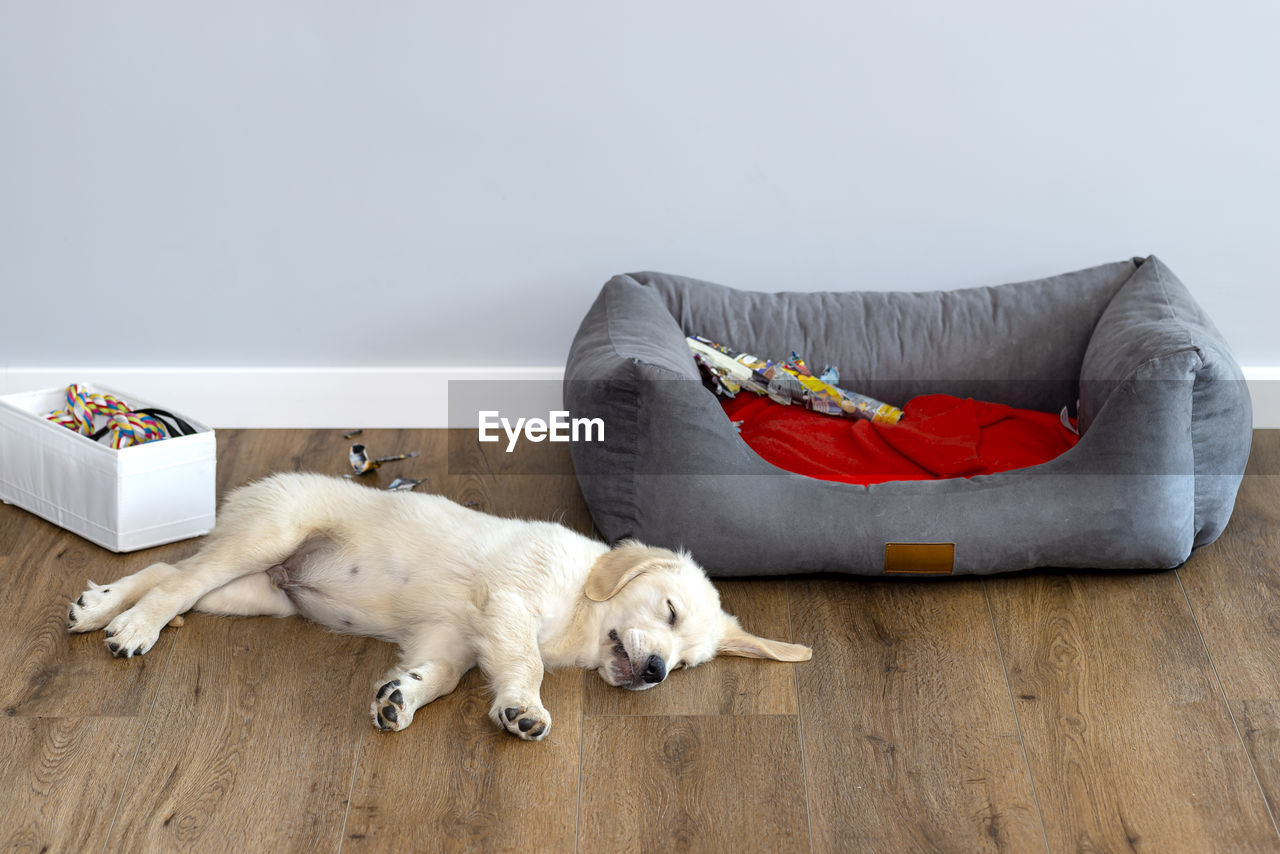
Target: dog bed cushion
<point>1164,420</point>
<point>939,436</point>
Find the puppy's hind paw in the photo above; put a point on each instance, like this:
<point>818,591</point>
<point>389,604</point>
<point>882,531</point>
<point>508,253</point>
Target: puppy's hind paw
<point>390,712</point>
<point>128,635</point>
<point>94,608</point>
<point>528,721</point>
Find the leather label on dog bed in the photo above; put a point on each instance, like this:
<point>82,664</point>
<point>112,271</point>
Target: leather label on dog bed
<point>919,558</point>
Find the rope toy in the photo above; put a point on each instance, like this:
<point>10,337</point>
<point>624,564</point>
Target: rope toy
<point>125,426</point>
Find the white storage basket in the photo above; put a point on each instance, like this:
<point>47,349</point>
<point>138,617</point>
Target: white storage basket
<point>124,500</point>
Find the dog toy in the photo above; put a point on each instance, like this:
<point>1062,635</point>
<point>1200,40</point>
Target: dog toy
<point>130,428</point>
<point>404,484</point>
<point>125,426</point>
<point>785,382</point>
<point>82,406</point>
<point>361,463</point>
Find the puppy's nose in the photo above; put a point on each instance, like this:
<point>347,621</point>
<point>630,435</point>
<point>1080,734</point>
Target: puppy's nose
<point>655,670</point>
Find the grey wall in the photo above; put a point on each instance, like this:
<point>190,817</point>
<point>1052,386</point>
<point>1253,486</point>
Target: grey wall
<point>324,183</point>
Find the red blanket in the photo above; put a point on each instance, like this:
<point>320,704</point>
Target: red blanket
<point>939,436</point>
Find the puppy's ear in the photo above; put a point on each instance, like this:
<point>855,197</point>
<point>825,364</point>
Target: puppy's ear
<point>738,641</point>
<point>614,569</point>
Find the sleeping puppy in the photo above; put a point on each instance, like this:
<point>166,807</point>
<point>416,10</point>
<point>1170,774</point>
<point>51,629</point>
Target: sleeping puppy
<point>455,588</point>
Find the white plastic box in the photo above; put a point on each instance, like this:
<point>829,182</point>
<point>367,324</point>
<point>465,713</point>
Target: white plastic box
<point>124,500</point>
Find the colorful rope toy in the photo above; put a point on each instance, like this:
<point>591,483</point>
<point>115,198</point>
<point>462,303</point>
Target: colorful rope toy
<point>125,426</point>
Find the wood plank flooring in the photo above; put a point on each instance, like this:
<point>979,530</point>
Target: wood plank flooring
<point>1048,711</point>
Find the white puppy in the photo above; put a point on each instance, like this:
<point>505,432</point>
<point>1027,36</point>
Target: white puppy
<point>455,588</point>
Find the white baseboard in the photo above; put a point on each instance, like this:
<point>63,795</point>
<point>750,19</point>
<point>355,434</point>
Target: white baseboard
<point>382,397</point>
<point>1264,388</point>
<point>313,397</point>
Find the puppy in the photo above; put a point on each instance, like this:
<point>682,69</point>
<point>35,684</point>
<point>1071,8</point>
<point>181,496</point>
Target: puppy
<point>455,588</point>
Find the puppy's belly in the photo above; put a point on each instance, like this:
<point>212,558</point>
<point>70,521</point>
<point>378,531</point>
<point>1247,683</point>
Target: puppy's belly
<point>344,590</point>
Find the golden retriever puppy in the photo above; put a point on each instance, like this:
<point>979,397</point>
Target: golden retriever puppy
<point>455,588</point>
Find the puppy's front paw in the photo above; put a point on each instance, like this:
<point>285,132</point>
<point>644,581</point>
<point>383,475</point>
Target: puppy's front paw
<point>94,608</point>
<point>525,720</point>
<point>131,634</point>
<point>390,711</point>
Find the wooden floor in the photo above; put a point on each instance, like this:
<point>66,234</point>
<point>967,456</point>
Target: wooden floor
<point>1067,712</point>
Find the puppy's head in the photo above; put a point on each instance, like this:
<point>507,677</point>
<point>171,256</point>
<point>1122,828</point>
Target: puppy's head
<point>660,613</point>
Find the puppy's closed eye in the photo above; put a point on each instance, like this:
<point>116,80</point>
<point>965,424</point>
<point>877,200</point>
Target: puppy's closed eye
<point>671,621</point>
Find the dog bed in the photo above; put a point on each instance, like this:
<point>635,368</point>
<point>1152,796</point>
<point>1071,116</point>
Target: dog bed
<point>1162,410</point>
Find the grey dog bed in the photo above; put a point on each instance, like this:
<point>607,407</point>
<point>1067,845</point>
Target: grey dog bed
<point>1163,413</point>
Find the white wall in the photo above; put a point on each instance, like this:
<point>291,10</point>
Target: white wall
<point>284,184</point>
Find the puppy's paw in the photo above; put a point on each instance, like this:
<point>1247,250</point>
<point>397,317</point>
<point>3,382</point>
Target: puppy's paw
<point>131,634</point>
<point>94,608</point>
<point>390,711</point>
<point>527,720</point>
